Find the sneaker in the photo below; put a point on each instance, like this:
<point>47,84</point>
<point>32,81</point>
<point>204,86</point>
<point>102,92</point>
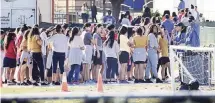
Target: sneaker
<point>4,82</point>
<point>148,81</point>
<point>57,83</point>
<point>136,81</point>
<point>18,83</point>
<point>129,79</point>
<point>76,83</point>
<point>43,84</point>
<point>14,81</point>
<point>142,81</point>
<point>35,84</point>
<point>159,81</point>
<point>126,82</point>
<point>24,84</point>
<point>29,82</point>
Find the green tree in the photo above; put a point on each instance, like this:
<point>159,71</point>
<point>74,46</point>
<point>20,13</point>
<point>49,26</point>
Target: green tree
<point>116,7</point>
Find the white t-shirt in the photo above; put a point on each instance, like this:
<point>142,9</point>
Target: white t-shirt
<point>44,38</point>
<point>60,43</point>
<point>76,42</point>
<point>111,52</point>
<point>126,22</point>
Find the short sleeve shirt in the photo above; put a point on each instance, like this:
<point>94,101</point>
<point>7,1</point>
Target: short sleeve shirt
<point>153,42</point>
<point>87,38</point>
<point>99,40</point>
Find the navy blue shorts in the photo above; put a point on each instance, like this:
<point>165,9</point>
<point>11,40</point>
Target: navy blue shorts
<point>9,62</point>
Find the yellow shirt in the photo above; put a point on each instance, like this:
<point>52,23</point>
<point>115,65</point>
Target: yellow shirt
<point>124,43</point>
<point>164,47</point>
<point>32,44</point>
<point>140,41</point>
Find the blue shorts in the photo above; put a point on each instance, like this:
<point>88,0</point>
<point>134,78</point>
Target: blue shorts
<point>9,62</point>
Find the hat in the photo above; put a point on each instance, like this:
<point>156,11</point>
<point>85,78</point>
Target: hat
<point>180,24</point>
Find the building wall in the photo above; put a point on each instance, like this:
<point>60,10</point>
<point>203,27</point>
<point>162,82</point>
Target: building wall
<point>44,8</point>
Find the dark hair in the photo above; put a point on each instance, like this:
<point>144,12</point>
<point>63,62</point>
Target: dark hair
<point>95,28</point>
<point>122,16</point>
<point>167,16</point>
<point>110,39</point>
<point>153,20</point>
<point>147,12</point>
<point>24,27</point>
<point>186,15</point>
<point>58,28</point>
<point>184,29</point>
<point>151,28</point>
<point>127,13</point>
<point>146,21</point>
<point>187,10</point>
<point>174,14</point>
<point>140,31</point>
<point>86,25</point>
<point>26,34</point>
<point>34,31</point>
<point>10,36</point>
<point>36,26</point>
<point>109,11</point>
<point>166,12</point>
<point>110,27</point>
<point>2,32</point>
<point>67,32</point>
<point>65,26</point>
<point>182,10</point>
<point>123,30</point>
<point>196,7</point>
<point>75,31</point>
<point>192,7</point>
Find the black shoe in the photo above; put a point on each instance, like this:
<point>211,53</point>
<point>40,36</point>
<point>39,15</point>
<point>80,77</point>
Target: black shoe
<point>14,81</point>
<point>57,83</point>
<point>35,84</point>
<point>29,82</point>
<point>24,84</point>
<point>153,77</point>
<point>136,81</point>
<point>129,79</point>
<point>18,83</point>
<point>141,81</point>
<point>53,83</point>
<point>148,81</point>
<point>5,82</point>
<point>43,84</point>
<point>159,81</point>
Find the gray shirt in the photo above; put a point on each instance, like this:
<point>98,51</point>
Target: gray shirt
<point>99,41</point>
<point>87,38</point>
<point>153,42</point>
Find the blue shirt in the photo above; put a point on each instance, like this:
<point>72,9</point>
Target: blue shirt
<point>193,36</point>
<point>180,38</point>
<point>181,5</point>
<point>109,20</point>
<point>169,25</point>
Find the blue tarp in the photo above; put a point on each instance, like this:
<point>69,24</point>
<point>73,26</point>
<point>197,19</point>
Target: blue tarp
<point>138,4</point>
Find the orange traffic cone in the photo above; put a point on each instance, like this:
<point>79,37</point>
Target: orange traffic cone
<point>64,85</point>
<point>100,84</point>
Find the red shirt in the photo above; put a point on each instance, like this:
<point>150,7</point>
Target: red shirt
<point>116,36</point>
<point>10,52</point>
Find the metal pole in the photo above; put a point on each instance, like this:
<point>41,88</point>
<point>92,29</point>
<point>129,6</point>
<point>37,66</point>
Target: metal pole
<point>67,11</point>
<point>53,11</point>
